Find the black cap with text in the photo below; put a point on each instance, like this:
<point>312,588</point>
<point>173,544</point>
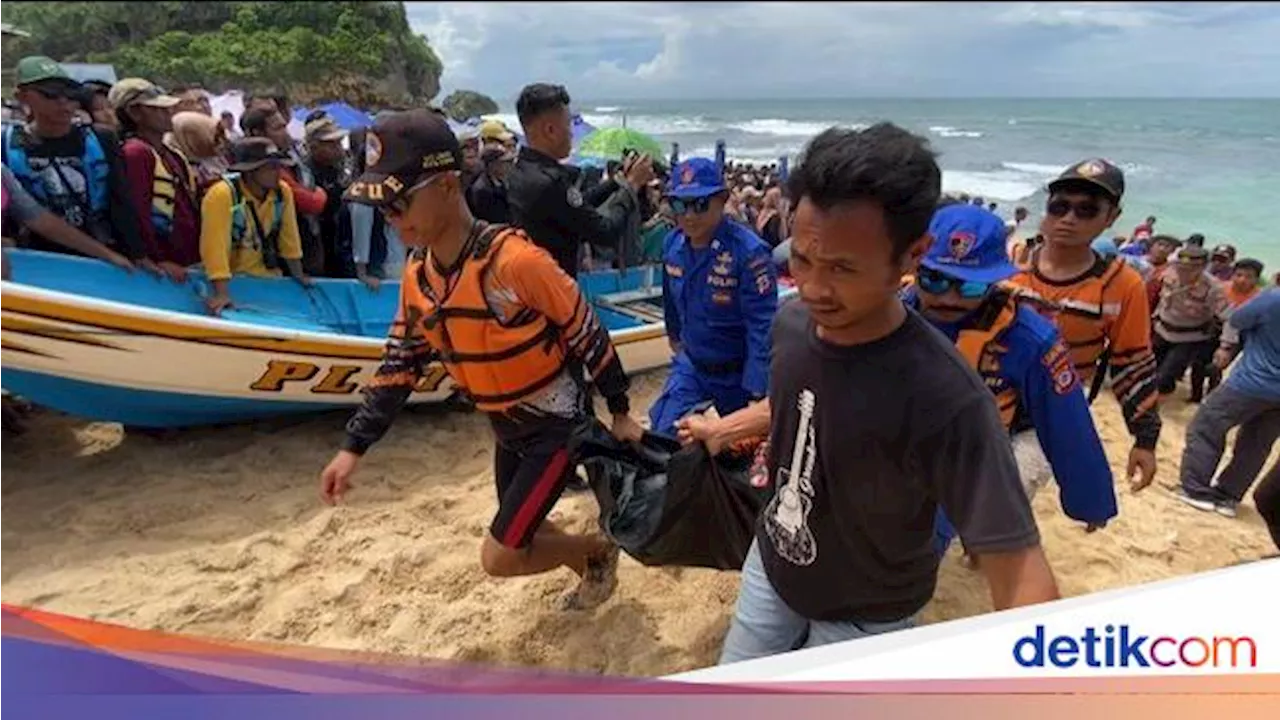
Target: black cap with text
<point>1096,172</point>
<point>401,150</point>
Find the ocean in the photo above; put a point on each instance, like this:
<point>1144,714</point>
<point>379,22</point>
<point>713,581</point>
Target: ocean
<point>1207,166</point>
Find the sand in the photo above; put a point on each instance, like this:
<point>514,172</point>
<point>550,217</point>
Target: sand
<point>221,533</point>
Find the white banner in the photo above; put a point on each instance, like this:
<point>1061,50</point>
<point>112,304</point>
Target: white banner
<point>1221,622</point>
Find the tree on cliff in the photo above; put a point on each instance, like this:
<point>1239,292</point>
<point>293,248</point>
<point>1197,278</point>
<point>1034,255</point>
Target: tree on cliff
<point>361,52</point>
<point>462,105</point>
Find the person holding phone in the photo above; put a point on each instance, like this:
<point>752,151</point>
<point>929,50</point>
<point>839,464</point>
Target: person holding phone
<point>547,198</point>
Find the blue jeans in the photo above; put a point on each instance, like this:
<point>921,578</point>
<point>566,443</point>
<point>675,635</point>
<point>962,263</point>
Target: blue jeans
<point>764,625</point>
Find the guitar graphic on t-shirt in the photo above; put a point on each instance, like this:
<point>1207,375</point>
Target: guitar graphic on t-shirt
<point>787,520</point>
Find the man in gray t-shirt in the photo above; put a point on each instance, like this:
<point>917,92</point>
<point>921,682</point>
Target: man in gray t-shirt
<point>874,421</point>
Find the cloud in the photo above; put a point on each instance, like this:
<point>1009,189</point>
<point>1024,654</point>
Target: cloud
<point>822,50</point>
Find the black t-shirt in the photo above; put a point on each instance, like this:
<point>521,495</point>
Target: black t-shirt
<point>58,165</point>
<point>891,429</point>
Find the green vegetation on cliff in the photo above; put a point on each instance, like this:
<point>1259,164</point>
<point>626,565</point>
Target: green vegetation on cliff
<point>462,105</point>
<point>361,52</point>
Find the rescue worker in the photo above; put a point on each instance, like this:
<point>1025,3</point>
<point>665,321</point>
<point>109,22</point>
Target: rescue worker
<point>546,197</point>
<point>1098,305</point>
<point>506,323</point>
<point>719,297</point>
<point>1020,356</point>
<point>248,223</point>
<point>1244,283</point>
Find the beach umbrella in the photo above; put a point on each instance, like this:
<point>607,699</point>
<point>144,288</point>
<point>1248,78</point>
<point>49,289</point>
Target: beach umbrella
<point>609,143</point>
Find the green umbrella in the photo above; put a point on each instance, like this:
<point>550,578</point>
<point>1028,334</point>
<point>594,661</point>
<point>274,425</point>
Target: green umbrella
<point>609,144</point>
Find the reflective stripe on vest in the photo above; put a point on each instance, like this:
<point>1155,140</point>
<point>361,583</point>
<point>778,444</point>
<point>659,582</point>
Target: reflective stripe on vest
<point>93,164</point>
<point>497,361</point>
<point>164,190</point>
<point>980,348</point>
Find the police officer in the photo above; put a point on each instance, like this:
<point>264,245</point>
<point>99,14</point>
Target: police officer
<point>1020,356</point>
<point>546,197</point>
<point>719,298</point>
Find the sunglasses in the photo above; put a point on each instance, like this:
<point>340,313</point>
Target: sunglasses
<point>56,92</point>
<point>1087,210</point>
<point>936,283</point>
<point>680,206</point>
<point>400,205</point>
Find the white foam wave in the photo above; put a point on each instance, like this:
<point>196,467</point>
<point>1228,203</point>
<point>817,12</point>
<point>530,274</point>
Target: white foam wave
<point>1037,169</point>
<point>650,124</point>
<point>1006,185</point>
<point>761,154</point>
<point>606,109</point>
<point>950,132</point>
<point>781,128</point>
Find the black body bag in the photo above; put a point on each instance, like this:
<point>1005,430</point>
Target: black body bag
<point>665,505</point>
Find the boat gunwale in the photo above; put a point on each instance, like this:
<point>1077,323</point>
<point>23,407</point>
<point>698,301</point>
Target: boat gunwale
<point>116,307</point>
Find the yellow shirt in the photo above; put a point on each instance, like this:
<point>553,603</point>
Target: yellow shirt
<point>223,255</point>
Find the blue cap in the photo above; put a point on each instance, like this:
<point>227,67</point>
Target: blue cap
<point>695,178</point>
<point>1105,246</point>
<point>969,244</point>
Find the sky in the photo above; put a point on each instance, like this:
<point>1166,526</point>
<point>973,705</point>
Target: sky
<point>736,50</point>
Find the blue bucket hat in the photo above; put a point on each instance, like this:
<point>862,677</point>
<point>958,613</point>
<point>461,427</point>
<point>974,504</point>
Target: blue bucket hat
<point>969,245</point>
<point>695,178</point>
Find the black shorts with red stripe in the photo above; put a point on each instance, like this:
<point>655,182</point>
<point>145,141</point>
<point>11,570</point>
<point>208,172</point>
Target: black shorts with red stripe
<point>531,471</point>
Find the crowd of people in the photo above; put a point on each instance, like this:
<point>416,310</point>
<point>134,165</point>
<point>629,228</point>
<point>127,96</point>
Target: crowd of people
<point>936,370</point>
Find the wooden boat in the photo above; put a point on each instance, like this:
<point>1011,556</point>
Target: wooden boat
<point>89,339</point>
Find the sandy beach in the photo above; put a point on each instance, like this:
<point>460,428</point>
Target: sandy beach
<point>221,533</point>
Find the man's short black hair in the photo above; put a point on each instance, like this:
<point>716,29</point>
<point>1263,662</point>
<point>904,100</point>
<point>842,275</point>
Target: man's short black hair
<point>883,164</point>
<point>539,98</point>
<point>1250,264</point>
<point>254,122</point>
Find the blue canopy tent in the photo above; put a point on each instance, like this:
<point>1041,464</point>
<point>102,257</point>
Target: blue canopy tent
<point>347,117</point>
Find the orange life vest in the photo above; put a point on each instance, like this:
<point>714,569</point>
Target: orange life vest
<point>498,360</point>
<point>981,347</point>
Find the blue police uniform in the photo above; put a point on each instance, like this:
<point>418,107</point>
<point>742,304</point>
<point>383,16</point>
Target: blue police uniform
<point>1025,365</point>
<point>718,303</point>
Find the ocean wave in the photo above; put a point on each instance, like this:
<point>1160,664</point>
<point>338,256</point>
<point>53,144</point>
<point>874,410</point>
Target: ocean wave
<point>607,109</point>
<point>781,128</point>
<point>760,154</point>
<point>950,132</point>
<point>1038,169</point>
<point>1006,185</point>
<point>649,124</point>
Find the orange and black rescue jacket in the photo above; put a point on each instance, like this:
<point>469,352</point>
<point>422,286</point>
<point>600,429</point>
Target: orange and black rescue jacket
<point>498,355</point>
